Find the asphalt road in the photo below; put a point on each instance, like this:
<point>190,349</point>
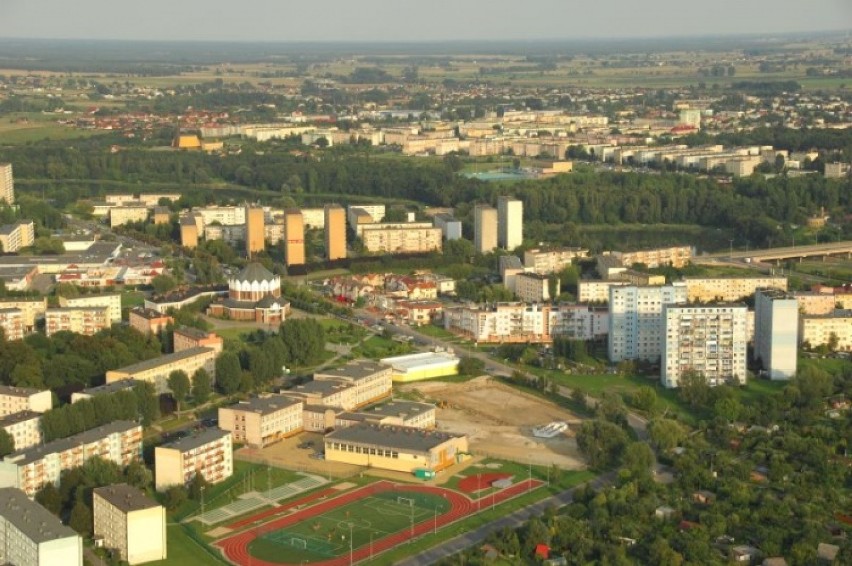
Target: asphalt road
<point>513,520</point>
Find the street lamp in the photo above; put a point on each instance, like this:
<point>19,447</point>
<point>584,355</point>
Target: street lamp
<point>202,500</point>
<point>351,524</point>
<point>731,249</point>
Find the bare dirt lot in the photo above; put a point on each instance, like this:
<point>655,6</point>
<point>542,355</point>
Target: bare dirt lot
<point>498,421</point>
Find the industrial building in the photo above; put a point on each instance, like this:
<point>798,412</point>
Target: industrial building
<point>129,523</point>
<point>424,365</point>
<point>397,448</point>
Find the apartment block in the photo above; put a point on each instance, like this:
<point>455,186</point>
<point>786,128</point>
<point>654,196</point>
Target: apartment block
<point>262,421</point>
<point>7,183</point>
<point>510,222</point>
<point>335,232</point>
<point>510,267</point>
<point>112,301</point>
<point>450,227</point>
<point>24,428</point>
<point>708,339</point>
<point>729,289</point>
<point>484,229</point>
<point>30,469</point>
<point>162,215</point>
<point>32,310</point>
<point>17,399</point>
<point>579,322</point>
<point>413,237</point>
<point>129,523</point>
<point>209,453</point>
<point>314,218</point>
<point>105,389</point>
<point>776,332</point>
<point>501,322</point>
<point>374,212</point>
<point>81,320</point>
<point>636,324</point>
<point>188,232</point>
<point>815,303</point>
<point>125,214</point>
<point>817,330</point>
<point>255,234</point>
<point>156,371</point>
<point>552,260</point>
<point>294,239</point>
<point>595,291</point>
<point>187,337</point>
<point>677,256</point>
<point>533,288</point>
<point>12,323</point>
<point>14,237</point>
<point>149,321</point>
<point>33,536</point>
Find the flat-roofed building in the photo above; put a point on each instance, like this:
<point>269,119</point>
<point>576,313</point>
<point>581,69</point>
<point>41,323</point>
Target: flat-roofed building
<point>209,453</point>
<point>510,221</point>
<point>335,232</point>
<point>815,303</point>
<point>105,389</point>
<point>451,228</point>
<point>17,399</point>
<point>31,469</point>
<point>188,232</point>
<point>33,536</point>
<point>255,232</point>
<point>776,332</point>
<point>156,371</point>
<point>81,320</point>
<point>355,214</point>
<point>676,256</point>
<point>262,421</point>
<point>412,237</point>
<point>294,237</point>
<point>162,215</point>
<point>708,339</point>
<point>636,322</point>
<point>370,381</point>
<point>728,289</point>
<point>510,267</point>
<point>125,214</point>
<point>596,291</point>
<point>12,323</point>
<point>547,261</point>
<point>392,413</point>
<point>188,337</point>
<point>14,237</point>
<point>32,310</point>
<point>397,448</point>
<point>149,321</point>
<point>484,229</point>
<point>129,523</point>
<point>422,365</point>
<point>24,428</point>
<point>7,183</point>
<point>314,218</point>
<point>533,288</point>
<point>110,300</point>
<point>500,322</point>
<point>833,330</point>
<point>579,322</point>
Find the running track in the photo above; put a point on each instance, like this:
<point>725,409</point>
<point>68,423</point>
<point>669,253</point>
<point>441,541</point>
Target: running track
<point>235,548</point>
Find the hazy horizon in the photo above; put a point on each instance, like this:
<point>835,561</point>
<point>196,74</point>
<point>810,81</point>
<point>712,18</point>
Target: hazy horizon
<point>385,21</point>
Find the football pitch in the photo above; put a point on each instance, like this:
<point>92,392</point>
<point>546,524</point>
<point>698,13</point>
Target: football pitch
<point>348,527</point>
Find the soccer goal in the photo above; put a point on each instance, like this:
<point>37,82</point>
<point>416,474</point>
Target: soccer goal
<point>300,543</point>
<point>407,501</point>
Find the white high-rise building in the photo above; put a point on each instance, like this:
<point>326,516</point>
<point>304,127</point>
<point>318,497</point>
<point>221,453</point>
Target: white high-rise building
<point>709,339</point>
<point>636,326</point>
<point>484,229</point>
<point>510,222</point>
<point>7,183</point>
<point>776,332</point>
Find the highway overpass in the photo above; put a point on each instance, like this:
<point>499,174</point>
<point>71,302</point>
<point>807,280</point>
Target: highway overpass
<point>776,254</point>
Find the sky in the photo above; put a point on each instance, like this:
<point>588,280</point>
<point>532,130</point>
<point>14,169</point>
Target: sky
<point>407,20</point>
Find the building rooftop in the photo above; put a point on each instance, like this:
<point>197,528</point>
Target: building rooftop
<point>147,314</point>
<point>420,360</point>
<point>403,438</point>
<point>19,417</point>
<point>11,391</point>
<point>264,405</point>
<point>36,453</point>
<point>191,332</point>
<point>10,310</point>
<point>163,360</point>
<point>398,408</point>
<point>34,521</point>
<point>255,272</point>
<point>108,388</point>
<point>197,440</point>
<point>125,497</point>
<point>352,371</point>
<point>314,386</point>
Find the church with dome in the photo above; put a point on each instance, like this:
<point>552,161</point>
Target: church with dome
<point>254,294</point>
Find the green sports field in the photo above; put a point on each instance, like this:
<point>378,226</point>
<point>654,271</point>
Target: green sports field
<point>328,535</point>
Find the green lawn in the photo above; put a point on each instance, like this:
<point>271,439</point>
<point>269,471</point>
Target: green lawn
<point>183,550</point>
<point>328,535</point>
<point>376,347</point>
<point>338,332</point>
<point>131,299</point>
<point>436,332</point>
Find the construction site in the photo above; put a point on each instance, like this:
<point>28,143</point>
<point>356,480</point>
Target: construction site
<point>499,421</point>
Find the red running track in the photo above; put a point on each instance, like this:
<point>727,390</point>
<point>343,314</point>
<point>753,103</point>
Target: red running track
<point>235,548</point>
<point>478,482</point>
<point>281,508</point>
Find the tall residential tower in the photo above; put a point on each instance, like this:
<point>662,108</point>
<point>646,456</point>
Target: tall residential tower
<point>510,215</point>
<point>7,183</point>
<point>484,228</point>
<point>335,232</point>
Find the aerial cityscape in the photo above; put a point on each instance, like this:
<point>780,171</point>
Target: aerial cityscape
<point>374,283</point>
